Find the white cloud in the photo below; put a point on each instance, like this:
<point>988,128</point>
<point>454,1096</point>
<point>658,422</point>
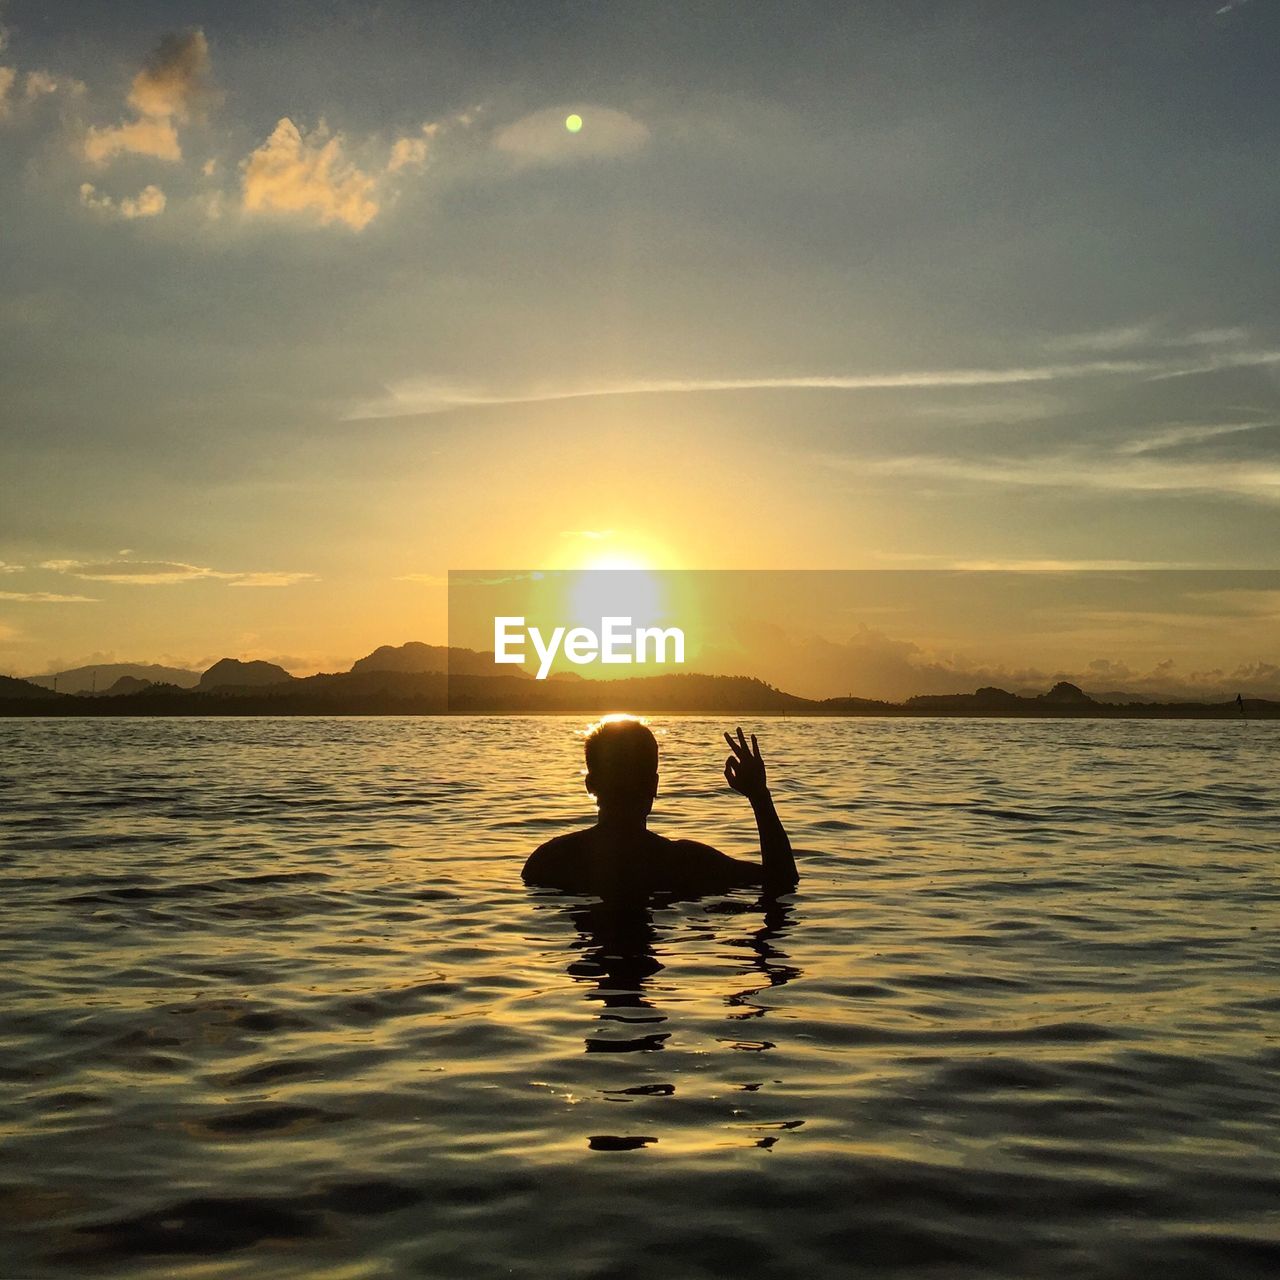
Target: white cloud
<point>148,203</point>
<point>307,176</point>
<point>164,94</point>
<point>1104,473</point>
<point>1146,334</point>
<point>543,138</point>
<point>1120,338</point>
<point>1171,437</point>
<point>436,395</point>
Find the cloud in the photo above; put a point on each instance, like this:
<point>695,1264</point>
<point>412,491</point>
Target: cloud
<point>155,138</point>
<point>542,138</point>
<point>44,597</point>
<point>174,77</point>
<point>1106,473</point>
<point>148,203</point>
<point>871,663</point>
<point>145,573</point>
<point>1173,437</point>
<point>7,76</point>
<point>437,396</point>
<point>10,568</point>
<point>1032,565</point>
<point>1147,334</point>
<point>269,579</point>
<point>411,152</point>
<point>41,85</point>
<point>307,176</point>
<point>164,94</point>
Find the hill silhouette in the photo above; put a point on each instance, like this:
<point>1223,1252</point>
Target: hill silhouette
<point>126,684</point>
<point>105,674</point>
<point>231,673</point>
<point>416,658</point>
<point>24,690</point>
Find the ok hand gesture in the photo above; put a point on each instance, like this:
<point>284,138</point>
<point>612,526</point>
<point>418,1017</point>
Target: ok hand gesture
<point>744,769</point>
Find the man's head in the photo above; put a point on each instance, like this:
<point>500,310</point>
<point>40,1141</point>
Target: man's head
<point>622,766</point>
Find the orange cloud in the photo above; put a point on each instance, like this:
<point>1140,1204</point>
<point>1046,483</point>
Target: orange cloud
<point>148,203</point>
<point>174,77</point>
<point>153,573</point>
<point>163,94</point>
<point>307,176</point>
<point>407,152</point>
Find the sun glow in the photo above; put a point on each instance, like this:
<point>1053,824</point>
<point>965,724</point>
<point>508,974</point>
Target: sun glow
<point>609,549</point>
<point>617,560</point>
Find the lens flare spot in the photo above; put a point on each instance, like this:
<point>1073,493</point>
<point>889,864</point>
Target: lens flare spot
<point>573,123</point>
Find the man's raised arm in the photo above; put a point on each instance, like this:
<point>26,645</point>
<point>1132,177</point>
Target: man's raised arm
<point>745,773</point>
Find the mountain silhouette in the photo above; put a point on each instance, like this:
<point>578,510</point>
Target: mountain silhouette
<point>231,673</point>
<point>416,658</point>
<point>105,674</point>
<point>1065,691</point>
<point>126,684</point>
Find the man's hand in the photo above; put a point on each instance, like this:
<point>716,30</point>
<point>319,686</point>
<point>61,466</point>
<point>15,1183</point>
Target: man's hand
<point>744,770</point>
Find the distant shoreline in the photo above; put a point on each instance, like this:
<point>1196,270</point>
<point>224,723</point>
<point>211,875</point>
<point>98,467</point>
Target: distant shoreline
<point>253,708</point>
<point>382,692</point>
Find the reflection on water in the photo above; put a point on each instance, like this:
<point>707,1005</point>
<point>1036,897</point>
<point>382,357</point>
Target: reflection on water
<point>619,944</point>
<point>276,1003</point>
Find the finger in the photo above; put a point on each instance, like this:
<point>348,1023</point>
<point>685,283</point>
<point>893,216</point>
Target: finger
<point>733,746</point>
<point>755,747</point>
<point>730,774</point>
<point>742,740</point>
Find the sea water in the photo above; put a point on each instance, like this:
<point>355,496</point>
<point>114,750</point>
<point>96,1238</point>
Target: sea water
<point>275,1002</point>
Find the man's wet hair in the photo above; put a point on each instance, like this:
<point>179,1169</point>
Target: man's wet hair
<point>622,759</point>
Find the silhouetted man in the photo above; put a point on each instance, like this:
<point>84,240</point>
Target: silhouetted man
<point>620,857</point>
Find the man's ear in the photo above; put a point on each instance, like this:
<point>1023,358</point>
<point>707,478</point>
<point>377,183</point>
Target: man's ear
<point>586,782</point>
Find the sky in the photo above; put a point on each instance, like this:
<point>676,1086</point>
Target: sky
<point>304,305</point>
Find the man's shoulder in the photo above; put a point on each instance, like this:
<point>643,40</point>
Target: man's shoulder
<point>557,854</point>
<point>702,860</point>
<point>696,851</point>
